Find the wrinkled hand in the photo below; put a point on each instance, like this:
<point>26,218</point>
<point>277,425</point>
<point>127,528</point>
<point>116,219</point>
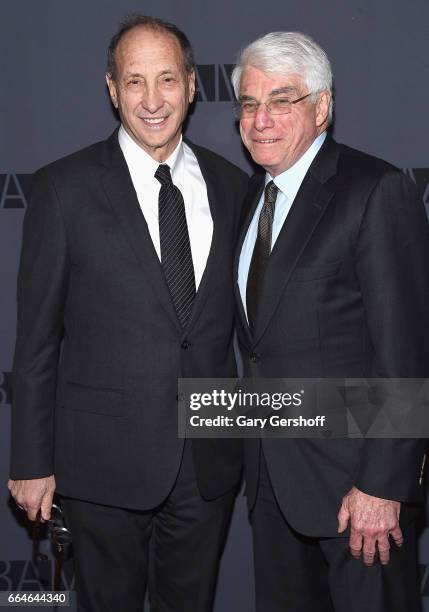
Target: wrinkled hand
<point>34,495</point>
<point>372,520</point>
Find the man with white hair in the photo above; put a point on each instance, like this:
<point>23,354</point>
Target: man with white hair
<point>331,271</point>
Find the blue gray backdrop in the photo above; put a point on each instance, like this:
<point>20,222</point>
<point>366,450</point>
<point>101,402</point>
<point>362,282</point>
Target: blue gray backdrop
<point>53,100</point>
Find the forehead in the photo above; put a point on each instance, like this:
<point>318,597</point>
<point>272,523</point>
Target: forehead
<point>143,46</point>
<point>255,82</point>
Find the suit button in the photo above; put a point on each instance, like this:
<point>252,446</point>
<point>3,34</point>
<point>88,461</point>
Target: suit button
<point>185,345</point>
<point>255,357</point>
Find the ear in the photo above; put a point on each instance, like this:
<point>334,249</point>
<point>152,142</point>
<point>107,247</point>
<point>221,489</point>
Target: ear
<point>322,108</point>
<point>191,86</point>
<point>111,84</point>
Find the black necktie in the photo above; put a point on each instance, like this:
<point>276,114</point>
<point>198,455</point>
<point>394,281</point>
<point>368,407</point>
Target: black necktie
<point>176,257</point>
<point>261,253</point>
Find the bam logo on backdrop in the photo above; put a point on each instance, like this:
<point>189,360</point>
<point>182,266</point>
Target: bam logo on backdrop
<point>15,190</point>
<point>26,575</point>
<point>213,82</point>
<point>5,388</point>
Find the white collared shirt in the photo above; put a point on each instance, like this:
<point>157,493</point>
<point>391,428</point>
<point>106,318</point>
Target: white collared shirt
<point>288,183</point>
<point>187,176</point>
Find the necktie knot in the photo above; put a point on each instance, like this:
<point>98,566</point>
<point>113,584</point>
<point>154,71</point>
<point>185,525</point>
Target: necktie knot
<point>163,175</point>
<point>271,191</point>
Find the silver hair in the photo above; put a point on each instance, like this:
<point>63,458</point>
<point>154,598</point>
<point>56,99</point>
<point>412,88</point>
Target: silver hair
<point>288,53</point>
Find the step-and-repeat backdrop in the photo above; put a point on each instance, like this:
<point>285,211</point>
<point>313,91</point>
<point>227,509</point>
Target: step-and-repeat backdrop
<point>53,100</point>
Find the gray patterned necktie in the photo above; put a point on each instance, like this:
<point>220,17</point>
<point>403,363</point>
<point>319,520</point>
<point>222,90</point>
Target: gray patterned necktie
<point>176,256</point>
<point>261,253</point>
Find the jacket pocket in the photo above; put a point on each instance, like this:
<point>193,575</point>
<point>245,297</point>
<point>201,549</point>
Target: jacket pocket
<point>316,272</point>
<point>95,400</point>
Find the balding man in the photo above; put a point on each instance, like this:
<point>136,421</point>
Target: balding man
<point>127,260</point>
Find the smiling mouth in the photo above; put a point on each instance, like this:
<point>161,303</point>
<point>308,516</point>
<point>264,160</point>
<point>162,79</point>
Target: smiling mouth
<point>266,140</point>
<point>154,122</point>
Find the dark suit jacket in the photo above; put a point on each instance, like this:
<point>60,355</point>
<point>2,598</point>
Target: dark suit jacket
<point>346,294</point>
<point>102,415</point>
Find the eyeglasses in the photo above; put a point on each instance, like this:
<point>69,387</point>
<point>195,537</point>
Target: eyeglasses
<point>60,537</point>
<point>275,106</point>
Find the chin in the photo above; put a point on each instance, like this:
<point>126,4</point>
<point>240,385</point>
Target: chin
<point>264,160</point>
<point>154,142</point>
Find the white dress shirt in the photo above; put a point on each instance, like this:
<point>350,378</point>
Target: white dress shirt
<point>288,183</point>
<point>187,176</point>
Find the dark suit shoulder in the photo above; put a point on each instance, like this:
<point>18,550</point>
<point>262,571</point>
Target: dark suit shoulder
<point>380,195</point>
<point>82,157</point>
<point>218,163</point>
<point>230,180</point>
<point>352,161</point>
<point>374,180</point>
<point>69,179</point>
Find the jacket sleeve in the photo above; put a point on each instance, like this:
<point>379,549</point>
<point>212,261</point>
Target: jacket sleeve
<point>392,263</point>
<point>42,288</point>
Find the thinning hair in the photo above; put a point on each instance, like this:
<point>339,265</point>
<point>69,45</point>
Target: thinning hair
<point>157,25</point>
<point>288,53</point>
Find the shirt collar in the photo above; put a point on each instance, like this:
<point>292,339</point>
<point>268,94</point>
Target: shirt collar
<point>290,180</point>
<point>145,165</point>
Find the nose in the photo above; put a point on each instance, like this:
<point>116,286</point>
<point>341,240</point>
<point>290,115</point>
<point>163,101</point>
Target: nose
<point>152,100</point>
<point>263,119</point>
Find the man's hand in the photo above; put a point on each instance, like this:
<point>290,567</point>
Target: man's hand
<point>372,520</point>
<point>34,495</point>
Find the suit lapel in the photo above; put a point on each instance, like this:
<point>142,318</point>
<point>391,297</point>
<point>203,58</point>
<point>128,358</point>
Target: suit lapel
<point>254,195</point>
<point>120,192</point>
<point>215,195</point>
<point>306,212</point>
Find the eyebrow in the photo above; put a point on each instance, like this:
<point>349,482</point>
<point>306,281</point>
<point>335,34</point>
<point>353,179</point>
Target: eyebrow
<point>273,92</point>
<point>128,75</point>
<point>280,90</point>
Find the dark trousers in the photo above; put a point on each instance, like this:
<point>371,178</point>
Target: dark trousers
<point>295,573</point>
<point>173,549</point>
